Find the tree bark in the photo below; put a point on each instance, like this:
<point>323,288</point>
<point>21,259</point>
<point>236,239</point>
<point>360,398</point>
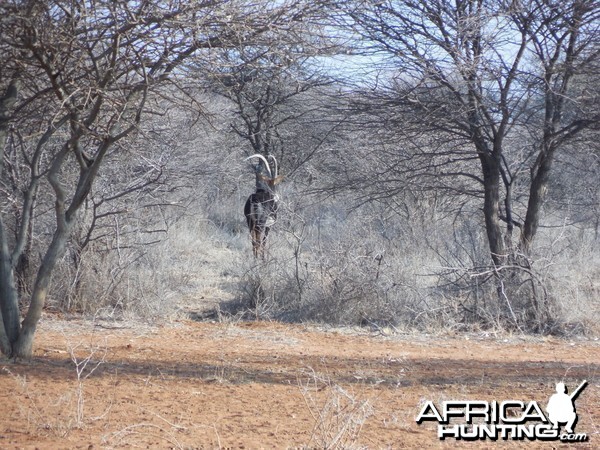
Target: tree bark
<point>9,305</point>
<point>537,194</point>
<point>490,166</point>
<point>23,348</point>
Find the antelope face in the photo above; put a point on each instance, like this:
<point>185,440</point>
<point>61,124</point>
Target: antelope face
<point>270,183</point>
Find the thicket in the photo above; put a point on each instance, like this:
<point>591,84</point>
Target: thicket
<point>338,254</point>
<point>453,189</point>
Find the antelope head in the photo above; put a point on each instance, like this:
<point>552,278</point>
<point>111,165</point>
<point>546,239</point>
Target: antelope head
<point>271,179</point>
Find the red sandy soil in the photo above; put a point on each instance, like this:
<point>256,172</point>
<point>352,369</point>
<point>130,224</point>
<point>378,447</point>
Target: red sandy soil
<point>269,385</point>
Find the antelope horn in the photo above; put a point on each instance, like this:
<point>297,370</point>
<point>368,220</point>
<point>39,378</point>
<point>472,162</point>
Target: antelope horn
<point>274,163</point>
<point>258,155</point>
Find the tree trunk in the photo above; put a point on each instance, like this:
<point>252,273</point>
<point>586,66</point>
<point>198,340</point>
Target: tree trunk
<point>9,305</point>
<point>537,194</point>
<point>510,225</point>
<point>491,207</point>
<point>23,348</point>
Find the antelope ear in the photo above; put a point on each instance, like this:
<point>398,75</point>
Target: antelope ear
<point>278,179</point>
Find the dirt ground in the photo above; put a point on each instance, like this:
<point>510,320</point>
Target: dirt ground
<point>268,385</point>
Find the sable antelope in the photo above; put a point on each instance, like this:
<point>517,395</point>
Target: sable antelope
<point>261,207</point>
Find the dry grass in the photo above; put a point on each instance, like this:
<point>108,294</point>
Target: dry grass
<point>368,268</point>
<point>337,413</point>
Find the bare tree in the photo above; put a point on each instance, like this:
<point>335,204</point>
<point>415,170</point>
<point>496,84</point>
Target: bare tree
<point>484,94</point>
<point>77,78</point>
<point>267,84</point>
<point>489,76</point>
